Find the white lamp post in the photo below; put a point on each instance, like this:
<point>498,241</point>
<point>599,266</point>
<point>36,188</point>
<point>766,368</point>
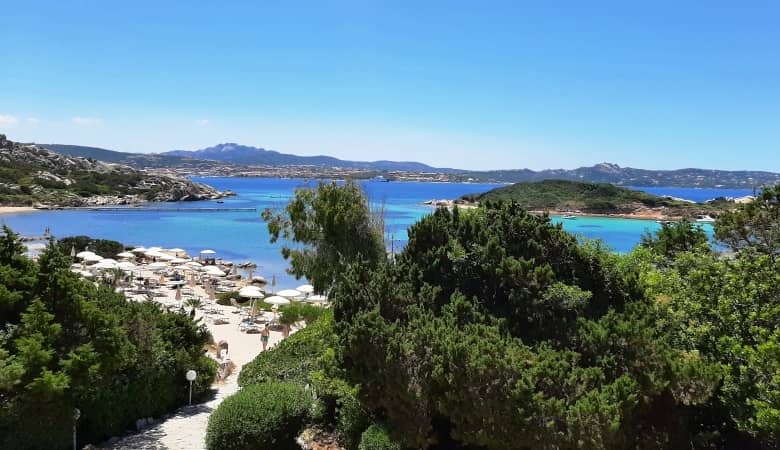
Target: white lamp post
<point>191,375</point>
<point>76,415</point>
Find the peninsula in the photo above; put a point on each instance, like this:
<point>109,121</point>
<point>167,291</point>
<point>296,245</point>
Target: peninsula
<point>31,175</point>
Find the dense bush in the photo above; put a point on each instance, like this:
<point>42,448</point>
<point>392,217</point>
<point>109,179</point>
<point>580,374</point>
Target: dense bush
<point>267,416</point>
<point>68,343</point>
<point>294,359</point>
<point>298,311</point>
<point>494,328</point>
<point>103,247</point>
<point>223,298</point>
<point>376,438</point>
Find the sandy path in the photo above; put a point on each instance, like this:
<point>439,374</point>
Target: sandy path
<point>185,429</point>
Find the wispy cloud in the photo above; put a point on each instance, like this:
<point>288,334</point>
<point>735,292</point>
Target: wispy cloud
<point>33,120</point>
<point>8,120</point>
<point>86,121</point>
<point>202,122</point>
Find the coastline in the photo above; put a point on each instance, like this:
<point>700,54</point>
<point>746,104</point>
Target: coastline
<point>4,210</point>
<point>647,214</point>
<point>641,215</point>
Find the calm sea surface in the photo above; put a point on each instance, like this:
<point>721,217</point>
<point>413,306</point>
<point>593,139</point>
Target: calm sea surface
<point>240,236</point>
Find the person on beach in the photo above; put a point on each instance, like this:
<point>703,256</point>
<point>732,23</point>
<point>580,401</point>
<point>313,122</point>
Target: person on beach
<point>264,336</point>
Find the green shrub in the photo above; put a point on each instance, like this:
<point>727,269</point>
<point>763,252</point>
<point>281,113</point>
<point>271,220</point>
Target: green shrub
<point>259,417</point>
<point>351,420</point>
<point>376,438</point>
<point>223,298</point>
<point>294,359</point>
<point>103,247</point>
<point>297,311</point>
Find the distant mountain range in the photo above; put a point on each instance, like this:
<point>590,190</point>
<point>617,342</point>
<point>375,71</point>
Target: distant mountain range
<point>252,156</point>
<point>135,160</point>
<point>628,176</point>
<point>233,159</point>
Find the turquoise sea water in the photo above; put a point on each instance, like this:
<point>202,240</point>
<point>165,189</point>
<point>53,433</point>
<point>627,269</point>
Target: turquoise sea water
<point>240,236</point>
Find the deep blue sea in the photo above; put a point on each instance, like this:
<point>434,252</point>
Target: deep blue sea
<point>240,236</point>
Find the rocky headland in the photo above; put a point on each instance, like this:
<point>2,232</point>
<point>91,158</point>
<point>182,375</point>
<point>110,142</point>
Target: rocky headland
<point>31,175</point>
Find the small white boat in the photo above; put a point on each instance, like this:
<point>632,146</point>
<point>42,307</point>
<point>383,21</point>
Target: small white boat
<point>705,219</point>
<point>569,217</point>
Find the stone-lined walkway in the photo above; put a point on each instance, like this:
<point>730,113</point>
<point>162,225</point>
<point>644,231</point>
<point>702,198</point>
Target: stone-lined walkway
<point>183,430</point>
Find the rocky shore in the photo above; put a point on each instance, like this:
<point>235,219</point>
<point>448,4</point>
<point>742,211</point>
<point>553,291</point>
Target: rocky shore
<point>31,175</point>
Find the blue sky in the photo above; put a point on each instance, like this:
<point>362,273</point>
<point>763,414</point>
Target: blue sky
<point>460,84</point>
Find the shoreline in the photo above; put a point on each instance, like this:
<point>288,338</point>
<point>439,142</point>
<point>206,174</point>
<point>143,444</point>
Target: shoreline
<point>4,210</point>
<point>648,215</point>
<point>639,215</point>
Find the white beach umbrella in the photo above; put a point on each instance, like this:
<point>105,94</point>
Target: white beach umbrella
<point>139,250</point>
<point>193,264</point>
<point>105,265</point>
<point>124,265</point>
<point>157,265</point>
<point>213,270</point>
<point>178,261</point>
<point>251,292</point>
<point>289,293</point>
<point>316,299</point>
<point>155,249</point>
<point>92,258</point>
<point>87,274</point>
<point>207,252</point>
<point>276,300</point>
<point>305,288</point>
<point>175,250</point>
<point>153,254</point>
<point>126,255</point>
<point>85,253</point>
<point>165,257</point>
<point>109,260</point>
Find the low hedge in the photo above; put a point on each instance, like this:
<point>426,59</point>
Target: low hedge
<point>266,416</point>
<point>376,438</point>
<point>294,359</point>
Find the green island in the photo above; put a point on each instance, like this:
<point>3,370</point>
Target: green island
<point>592,198</point>
<point>31,175</point>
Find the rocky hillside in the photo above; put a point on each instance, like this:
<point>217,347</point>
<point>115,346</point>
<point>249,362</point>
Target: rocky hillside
<point>33,175</point>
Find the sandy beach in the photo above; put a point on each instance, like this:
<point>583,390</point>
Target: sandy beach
<point>186,427</point>
<point>15,209</point>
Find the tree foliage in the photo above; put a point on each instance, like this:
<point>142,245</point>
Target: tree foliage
<point>329,227</point>
<point>728,311</point>
<point>753,225</point>
<point>103,247</point>
<point>676,237</point>
<point>496,329</point>
<point>68,343</point>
